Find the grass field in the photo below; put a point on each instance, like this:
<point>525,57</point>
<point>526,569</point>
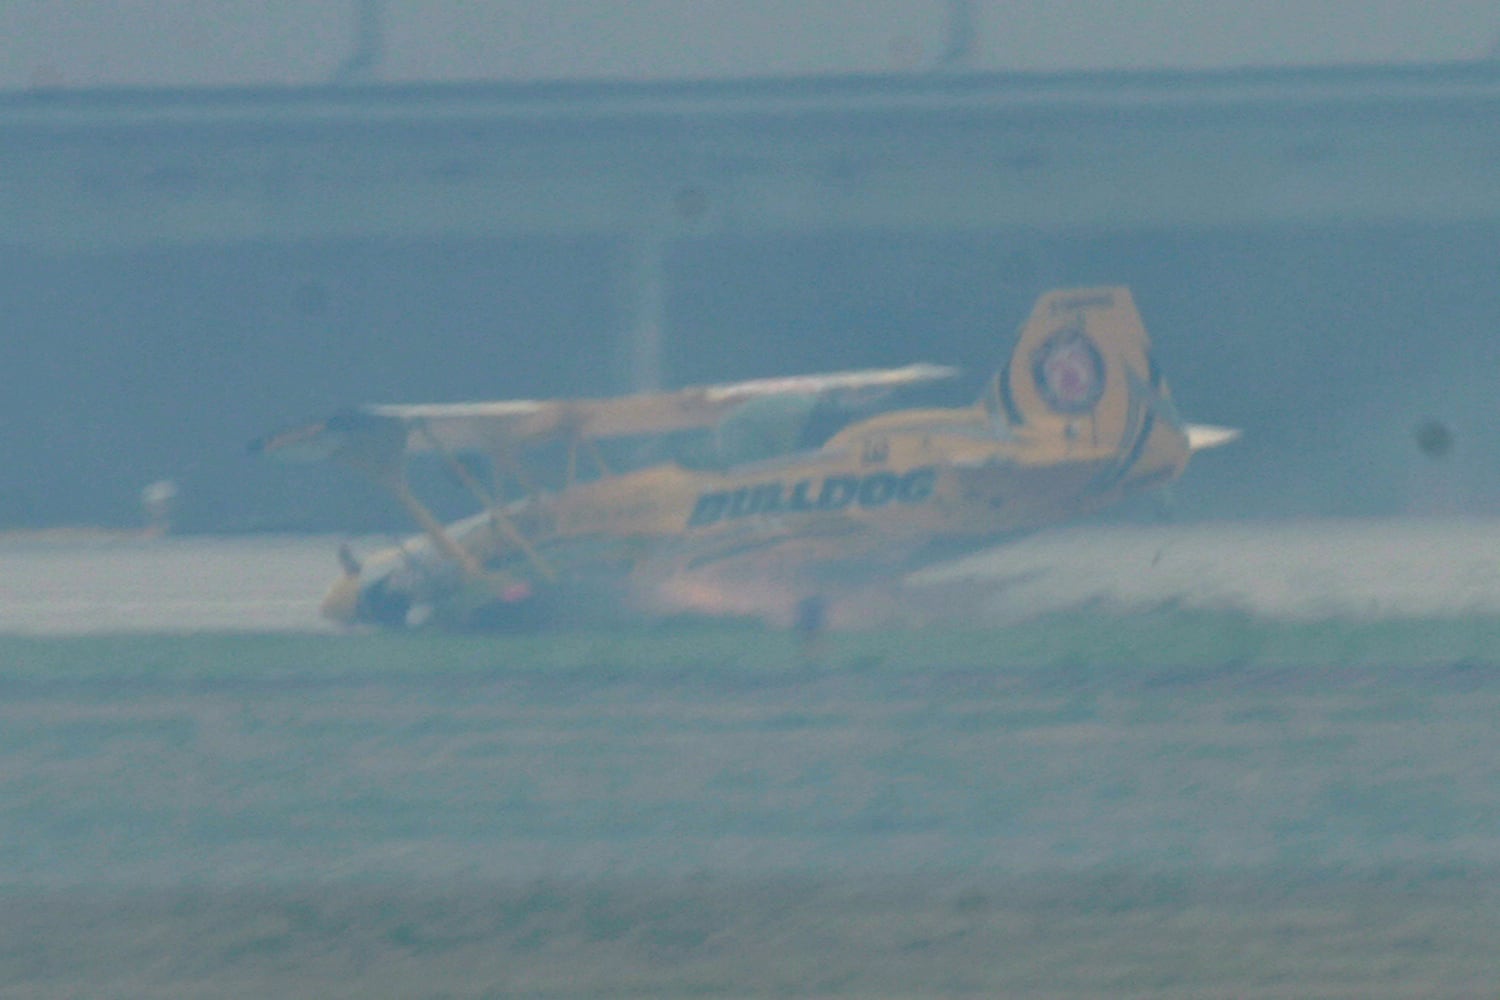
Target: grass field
<point>1175,804</point>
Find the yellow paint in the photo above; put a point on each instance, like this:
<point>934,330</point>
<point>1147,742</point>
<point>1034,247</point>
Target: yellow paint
<point>1077,419</point>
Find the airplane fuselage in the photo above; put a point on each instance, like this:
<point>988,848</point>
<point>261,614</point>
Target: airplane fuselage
<point>785,495</point>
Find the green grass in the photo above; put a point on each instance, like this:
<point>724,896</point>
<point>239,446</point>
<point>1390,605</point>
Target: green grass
<point>1375,935</point>
<point>1166,805</point>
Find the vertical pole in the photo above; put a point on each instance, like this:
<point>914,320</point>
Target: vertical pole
<point>363,62</point>
<point>643,307</point>
<point>963,36</point>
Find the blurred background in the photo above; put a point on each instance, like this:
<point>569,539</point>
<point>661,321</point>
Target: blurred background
<point>221,218</point>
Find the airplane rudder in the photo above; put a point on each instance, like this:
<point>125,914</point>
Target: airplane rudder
<point>1074,357</point>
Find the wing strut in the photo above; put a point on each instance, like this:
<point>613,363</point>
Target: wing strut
<point>502,523</point>
<point>578,443</point>
<point>431,526</point>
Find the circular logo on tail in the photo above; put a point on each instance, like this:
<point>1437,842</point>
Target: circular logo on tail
<point>1068,371</point>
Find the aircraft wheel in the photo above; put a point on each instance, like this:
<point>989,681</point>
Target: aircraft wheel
<point>1164,505</point>
<point>808,625</point>
<point>385,606</point>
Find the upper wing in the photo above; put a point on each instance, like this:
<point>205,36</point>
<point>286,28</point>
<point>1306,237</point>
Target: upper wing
<point>852,385</point>
<point>379,432</point>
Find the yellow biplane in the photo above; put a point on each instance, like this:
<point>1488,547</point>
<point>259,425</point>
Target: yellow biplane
<point>766,498</point>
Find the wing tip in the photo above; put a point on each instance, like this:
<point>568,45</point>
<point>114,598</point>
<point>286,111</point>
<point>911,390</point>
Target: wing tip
<point>291,437</point>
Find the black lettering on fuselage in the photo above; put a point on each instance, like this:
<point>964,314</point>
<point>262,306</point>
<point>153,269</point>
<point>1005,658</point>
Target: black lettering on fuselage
<point>833,493</point>
<point>798,499</point>
<point>917,485</point>
<point>742,502</point>
<point>708,509</point>
<point>838,492</point>
<point>769,498</point>
<point>879,489</point>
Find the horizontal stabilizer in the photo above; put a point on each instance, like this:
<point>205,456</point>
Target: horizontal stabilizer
<point>353,435</point>
<point>1204,436</point>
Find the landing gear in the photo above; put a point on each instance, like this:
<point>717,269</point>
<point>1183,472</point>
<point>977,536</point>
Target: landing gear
<point>385,605</point>
<point>808,625</point>
<point>1164,505</point>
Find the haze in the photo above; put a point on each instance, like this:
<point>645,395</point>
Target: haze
<point>186,266</point>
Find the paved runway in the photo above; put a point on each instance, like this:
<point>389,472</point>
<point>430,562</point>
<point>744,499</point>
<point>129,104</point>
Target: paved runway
<point>1406,567</point>
<point>82,585</point>
<point>1363,569</point>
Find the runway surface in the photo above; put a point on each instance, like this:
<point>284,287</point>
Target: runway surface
<point>1302,570</point>
<point>52,586</point>
<point>1365,570</point>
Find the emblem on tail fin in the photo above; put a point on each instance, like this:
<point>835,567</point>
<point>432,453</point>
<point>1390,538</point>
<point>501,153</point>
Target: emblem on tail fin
<point>1069,372</point>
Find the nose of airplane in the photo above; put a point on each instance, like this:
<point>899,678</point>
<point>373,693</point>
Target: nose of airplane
<point>341,604</point>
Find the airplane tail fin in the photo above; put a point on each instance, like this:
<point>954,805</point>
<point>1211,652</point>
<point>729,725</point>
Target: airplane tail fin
<point>1083,375</point>
<point>1082,365</point>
